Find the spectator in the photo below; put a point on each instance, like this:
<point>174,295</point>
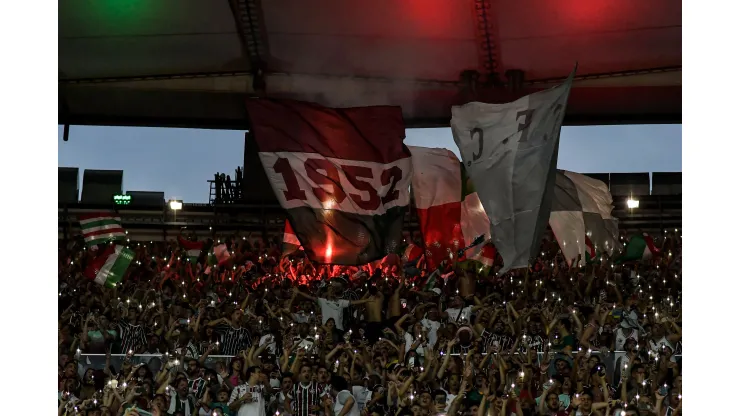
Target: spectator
<point>290,337</point>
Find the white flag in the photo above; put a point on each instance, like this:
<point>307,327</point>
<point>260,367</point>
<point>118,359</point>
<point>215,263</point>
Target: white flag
<point>510,151</point>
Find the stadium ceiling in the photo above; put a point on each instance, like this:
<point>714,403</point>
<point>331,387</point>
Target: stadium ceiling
<point>192,63</point>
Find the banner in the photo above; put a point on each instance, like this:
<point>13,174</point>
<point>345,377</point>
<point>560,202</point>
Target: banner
<point>451,216</point>
<point>581,214</point>
<point>510,151</point>
<point>342,175</point>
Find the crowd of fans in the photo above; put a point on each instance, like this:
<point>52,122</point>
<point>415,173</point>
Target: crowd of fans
<point>271,335</point>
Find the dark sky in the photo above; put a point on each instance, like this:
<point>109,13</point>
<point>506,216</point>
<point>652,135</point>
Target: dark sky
<point>180,161</point>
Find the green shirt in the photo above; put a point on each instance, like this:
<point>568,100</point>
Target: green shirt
<point>223,406</point>
<point>559,344</point>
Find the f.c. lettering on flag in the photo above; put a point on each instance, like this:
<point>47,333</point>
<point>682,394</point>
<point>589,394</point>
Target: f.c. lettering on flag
<point>342,175</point>
<point>510,152</point>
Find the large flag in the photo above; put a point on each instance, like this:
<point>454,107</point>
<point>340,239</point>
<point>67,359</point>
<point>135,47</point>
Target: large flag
<point>192,248</point>
<point>108,267</point>
<point>451,216</point>
<point>510,152</point>
<point>342,175</point>
<point>290,241</point>
<point>101,227</point>
<point>640,247</point>
<point>482,261</point>
<point>474,222</point>
<point>431,281</point>
<point>412,253</point>
<point>581,209</point>
<point>592,256</point>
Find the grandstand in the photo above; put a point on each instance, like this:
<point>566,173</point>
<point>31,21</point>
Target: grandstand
<point>148,216</point>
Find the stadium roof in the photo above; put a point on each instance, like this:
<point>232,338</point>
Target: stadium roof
<point>192,63</point>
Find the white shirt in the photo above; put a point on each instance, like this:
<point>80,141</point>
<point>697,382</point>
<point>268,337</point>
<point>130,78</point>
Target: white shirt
<point>657,346</point>
<point>431,327</point>
<point>410,341</point>
<point>465,314</point>
<point>303,343</point>
<point>255,408</point>
<point>268,339</point>
<point>300,318</point>
<point>621,336</point>
<point>362,395</point>
<point>342,398</point>
<point>450,398</point>
<point>333,309</point>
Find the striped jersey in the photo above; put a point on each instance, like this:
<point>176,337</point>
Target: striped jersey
<point>233,339</point>
<point>133,337</point>
<point>496,342</point>
<point>304,397</point>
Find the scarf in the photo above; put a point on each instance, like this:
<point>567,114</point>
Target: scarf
<point>186,406</point>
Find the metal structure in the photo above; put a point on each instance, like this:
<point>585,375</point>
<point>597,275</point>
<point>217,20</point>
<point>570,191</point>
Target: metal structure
<point>192,63</point>
<point>657,212</point>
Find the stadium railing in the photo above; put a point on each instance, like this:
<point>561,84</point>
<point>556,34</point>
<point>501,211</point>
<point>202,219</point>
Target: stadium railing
<point>613,361</point>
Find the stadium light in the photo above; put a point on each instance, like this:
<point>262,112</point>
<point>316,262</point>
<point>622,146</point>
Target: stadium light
<point>633,203</point>
<point>175,205</point>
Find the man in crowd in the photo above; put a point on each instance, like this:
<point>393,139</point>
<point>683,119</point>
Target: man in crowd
<point>524,341</point>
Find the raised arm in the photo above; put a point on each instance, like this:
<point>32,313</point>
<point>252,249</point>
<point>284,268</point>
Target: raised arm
<point>304,295</point>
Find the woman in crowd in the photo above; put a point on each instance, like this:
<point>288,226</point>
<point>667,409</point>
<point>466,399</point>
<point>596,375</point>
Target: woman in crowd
<point>263,335</point>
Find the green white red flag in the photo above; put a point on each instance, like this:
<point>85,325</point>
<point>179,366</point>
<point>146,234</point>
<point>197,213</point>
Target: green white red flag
<point>101,227</point>
<point>109,267</point>
<point>640,247</point>
<point>192,249</point>
<point>451,216</point>
<point>431,281</point>
<point>591,253</point>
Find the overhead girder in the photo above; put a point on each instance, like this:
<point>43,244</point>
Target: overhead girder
<point>188,100</point>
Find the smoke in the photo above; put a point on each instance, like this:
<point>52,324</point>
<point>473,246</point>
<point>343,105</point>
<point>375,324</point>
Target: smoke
<point>342,92</point>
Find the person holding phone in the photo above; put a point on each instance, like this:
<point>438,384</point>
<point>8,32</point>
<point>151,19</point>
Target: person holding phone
<point>247,399</point>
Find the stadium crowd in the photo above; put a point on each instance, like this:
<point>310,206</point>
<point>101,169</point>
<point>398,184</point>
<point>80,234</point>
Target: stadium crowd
<point>271,335</point>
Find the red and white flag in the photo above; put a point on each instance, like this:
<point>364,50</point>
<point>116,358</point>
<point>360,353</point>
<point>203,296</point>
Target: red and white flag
<point>342,175</point>
<point>290,241</point>
<point>412,252</point>
<point>451,216</point>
